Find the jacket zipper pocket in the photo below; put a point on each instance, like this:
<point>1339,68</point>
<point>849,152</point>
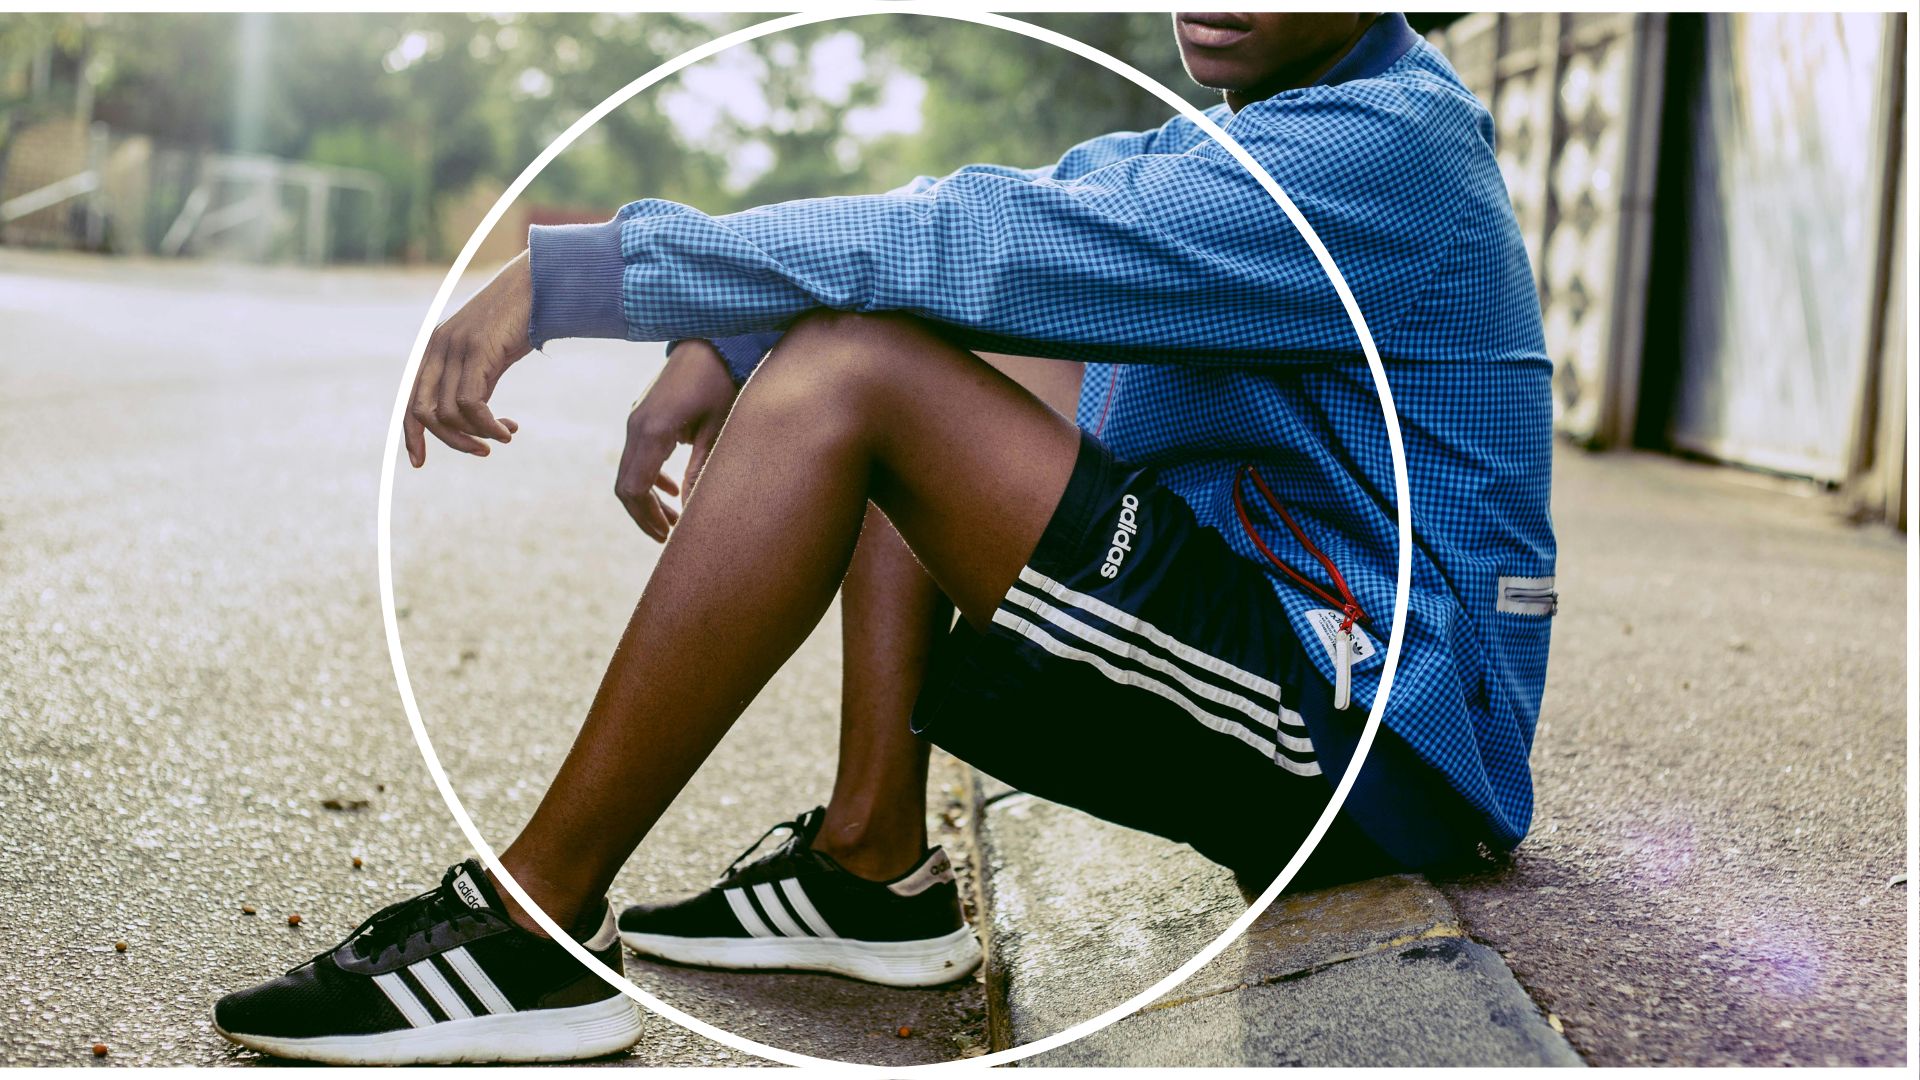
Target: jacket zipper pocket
<point>1348,607</point>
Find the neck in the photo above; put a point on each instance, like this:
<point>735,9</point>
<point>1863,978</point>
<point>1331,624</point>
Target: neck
<point>1296,78</point>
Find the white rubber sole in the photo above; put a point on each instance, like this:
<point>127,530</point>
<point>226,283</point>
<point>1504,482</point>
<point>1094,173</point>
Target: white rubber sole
<point>581,1031</point>
<point>929,962</point>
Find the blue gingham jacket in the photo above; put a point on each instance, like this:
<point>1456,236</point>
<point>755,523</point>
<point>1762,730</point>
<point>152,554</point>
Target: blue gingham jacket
<point>1213,338</point>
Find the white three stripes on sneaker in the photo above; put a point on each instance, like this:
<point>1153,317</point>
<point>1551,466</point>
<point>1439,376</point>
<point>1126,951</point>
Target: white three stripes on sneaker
<point>804,908</point>
<point>402,997</point>
<point>787,917</point>
<point>443,994</point>
<point>1130,665</point>
<point>463,967</point>
<point>749,918</point>
<point>469,971</point>
<point>776,911</point>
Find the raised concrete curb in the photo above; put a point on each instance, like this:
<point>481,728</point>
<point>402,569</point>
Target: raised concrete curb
<point>1082,915</point>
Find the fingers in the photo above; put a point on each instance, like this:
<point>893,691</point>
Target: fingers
<point>425,410</point>
<point>654,518</point>
<point>471,414</point>
<point>416,439</point>
<point>446,422</point>
<point>450,399</point>
<point>640,463</point>
<point>426,386</point>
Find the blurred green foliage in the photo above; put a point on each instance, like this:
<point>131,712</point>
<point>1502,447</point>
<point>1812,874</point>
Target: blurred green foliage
<point>435,103</point>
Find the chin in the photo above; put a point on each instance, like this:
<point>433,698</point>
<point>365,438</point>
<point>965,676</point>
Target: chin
<point>1215,75</point>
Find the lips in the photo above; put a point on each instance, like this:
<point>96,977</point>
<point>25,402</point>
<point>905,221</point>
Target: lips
<point>1214,29</point>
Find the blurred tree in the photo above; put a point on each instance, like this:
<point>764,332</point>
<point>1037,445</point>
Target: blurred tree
<point>991,95</point>
<point>31,45</point>
<point>1012,100</point>
<point>169,77</point>
<point>437,102</point>
<point>560,65</point>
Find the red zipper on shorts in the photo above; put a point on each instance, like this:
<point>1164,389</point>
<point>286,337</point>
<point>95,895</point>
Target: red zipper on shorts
<point>1348,607</point>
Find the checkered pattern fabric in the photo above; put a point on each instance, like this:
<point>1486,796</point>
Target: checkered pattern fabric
<point>1213,338</point>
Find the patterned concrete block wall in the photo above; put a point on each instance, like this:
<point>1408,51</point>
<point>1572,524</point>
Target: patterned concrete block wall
<point>1575,100</point>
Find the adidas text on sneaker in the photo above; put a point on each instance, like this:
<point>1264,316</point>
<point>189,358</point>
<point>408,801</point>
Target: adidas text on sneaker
<point>443,977</point>
<point>797,909</point>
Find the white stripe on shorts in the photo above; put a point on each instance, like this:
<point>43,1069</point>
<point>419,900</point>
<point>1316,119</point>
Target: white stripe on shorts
<point>1140,679</point>
<point>1045,584</point>
<point>1138,657</point>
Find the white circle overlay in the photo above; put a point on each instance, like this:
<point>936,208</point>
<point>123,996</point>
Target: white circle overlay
<point>1403,517</point>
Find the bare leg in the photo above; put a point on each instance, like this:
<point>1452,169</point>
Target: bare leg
<point>891,614</point>
<point>847,409</point>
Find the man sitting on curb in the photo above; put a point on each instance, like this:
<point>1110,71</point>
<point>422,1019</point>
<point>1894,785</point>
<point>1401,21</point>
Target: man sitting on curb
<point>1174,608</point>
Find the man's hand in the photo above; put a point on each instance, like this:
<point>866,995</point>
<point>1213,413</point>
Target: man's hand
<point>686,404</point>
<point>465,358</point>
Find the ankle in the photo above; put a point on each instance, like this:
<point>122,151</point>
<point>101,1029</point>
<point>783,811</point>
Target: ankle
<point>866,847</point>
<point>552,899</point>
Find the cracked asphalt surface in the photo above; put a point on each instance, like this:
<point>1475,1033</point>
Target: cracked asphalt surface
<point>193,661</point>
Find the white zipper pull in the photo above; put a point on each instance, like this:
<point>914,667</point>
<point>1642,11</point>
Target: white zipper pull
<point>1343,667</point>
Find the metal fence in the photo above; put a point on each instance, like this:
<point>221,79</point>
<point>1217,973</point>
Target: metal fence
<point>65,184</point>
<point>1711,203</point>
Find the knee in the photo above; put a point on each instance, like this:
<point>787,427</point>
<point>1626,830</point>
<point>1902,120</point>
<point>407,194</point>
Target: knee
<point>843,353</point>
<point>855,331</point>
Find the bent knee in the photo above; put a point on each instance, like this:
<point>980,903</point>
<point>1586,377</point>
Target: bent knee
<point>848,349</point>
<point>854,333</point>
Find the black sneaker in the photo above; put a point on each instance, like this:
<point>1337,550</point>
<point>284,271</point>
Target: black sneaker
<point>443,977</point>
<point>796,909</point>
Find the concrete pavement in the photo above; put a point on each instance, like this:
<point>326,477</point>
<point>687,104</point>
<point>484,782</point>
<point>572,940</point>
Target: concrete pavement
<point>193,663</point>
<point>1714,875</point>
<point>193,660</point>
<point>1720,777</point>
<point>1084,915</point>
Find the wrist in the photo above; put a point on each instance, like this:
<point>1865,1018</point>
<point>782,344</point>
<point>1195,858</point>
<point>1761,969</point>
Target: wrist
<point>701,357</point>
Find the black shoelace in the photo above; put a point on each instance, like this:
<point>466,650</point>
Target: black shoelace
<point>393,925</point>
<point>793,845</point>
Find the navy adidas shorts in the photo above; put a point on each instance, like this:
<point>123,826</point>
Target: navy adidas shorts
<point>1144,672</point>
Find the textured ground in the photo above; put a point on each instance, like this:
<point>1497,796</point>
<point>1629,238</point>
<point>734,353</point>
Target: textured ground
<point>192,660</point>
<point>1372,973</point>
<point>1721,772</point>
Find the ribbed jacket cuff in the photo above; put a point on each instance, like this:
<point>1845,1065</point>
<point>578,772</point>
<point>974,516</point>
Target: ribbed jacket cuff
<point>576,282</point>
<point>744,353</point>
<point>740,354</point>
